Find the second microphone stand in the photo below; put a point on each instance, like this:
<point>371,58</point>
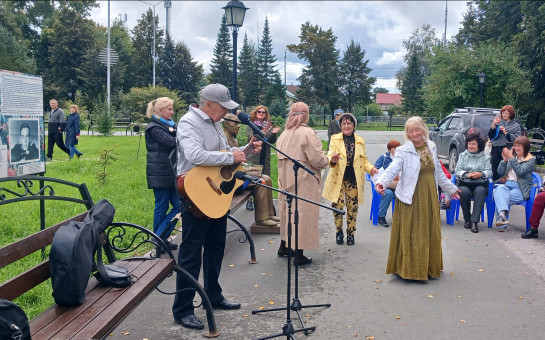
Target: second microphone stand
<point>296,305</point>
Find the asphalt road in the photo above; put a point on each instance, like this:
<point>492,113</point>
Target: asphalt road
<point>492,285</point>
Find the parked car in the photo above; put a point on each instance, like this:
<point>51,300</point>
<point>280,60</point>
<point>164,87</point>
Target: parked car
<point>450,134</point>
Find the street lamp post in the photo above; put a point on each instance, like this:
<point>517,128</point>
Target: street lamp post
<point>235,11</point>
<point>153,22</point>
<point>482,80</point>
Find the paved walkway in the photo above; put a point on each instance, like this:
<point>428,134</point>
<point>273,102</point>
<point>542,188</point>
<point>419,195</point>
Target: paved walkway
<point>492,286</point>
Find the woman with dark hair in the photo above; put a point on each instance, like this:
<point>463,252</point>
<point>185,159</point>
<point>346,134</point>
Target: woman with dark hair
<point>504,130</point>
<point>261,117</point>
<point>345,180</point>
<point>516,168</point>
<point>472,173</point>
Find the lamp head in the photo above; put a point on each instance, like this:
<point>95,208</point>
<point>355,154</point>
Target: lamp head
<point>235,11</point>
<point>482,78</point>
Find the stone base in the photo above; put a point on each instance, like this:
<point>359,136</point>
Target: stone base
<point>264,229</point>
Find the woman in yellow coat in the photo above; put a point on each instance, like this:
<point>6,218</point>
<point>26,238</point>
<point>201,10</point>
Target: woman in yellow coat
<point>345,179</point>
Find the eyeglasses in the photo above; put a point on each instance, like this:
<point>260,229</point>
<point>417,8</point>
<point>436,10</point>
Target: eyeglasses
<point>263,112</point>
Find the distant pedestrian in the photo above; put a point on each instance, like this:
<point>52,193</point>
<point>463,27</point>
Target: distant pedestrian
<point>415,240</point>
<point>72,131</point>
<point>334,126</point>
<point>55,127</point>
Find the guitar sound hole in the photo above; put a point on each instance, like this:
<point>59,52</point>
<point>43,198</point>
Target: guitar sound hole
<point>226,173</point>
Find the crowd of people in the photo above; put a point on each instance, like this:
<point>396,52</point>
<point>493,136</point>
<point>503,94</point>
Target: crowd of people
<point>410,172</point>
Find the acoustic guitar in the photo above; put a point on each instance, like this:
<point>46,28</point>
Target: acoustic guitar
<point>210,189</point>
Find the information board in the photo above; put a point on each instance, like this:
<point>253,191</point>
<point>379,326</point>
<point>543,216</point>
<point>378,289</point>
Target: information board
<point>22,134</point>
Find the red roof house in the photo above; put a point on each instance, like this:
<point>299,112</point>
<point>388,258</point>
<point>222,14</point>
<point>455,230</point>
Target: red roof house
<point>385,100</point>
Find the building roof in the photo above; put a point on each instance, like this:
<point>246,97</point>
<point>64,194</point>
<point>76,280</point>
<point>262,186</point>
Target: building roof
<point>293,89</point>
<point>388,98</point>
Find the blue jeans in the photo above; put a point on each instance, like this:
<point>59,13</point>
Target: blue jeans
<point>385,202</point>
<point>507,194</point>
<point>160,217</point>
<point>73,150</point>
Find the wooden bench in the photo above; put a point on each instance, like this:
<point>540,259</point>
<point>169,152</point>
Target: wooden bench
<point>104,307</point>
<point>123,122</point>
<point>396,123</point>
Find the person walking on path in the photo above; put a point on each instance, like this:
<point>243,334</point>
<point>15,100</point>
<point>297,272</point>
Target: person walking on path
<point>415,240</point>
<point>334,126</point>
<point>160,137</point>
<point>55,127</point>
<point>345,180</point>
<point>199,142</point>
<point>302,143</point>
<point>73,131</point>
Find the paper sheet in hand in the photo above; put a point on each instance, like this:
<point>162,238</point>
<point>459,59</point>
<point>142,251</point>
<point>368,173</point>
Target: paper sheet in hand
<point>377,175</point>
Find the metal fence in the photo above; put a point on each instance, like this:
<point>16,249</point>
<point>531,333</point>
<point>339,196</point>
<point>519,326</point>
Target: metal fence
<point>370,120</point>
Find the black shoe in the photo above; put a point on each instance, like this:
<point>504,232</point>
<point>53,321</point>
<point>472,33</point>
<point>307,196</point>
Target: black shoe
<point>467,224</point>
<point>340,237</point>
<point>79,155</point>
<point>474,227</point>
<point>171,245</point>
<point>530,233</point>
<point>226,305</point>
<point>301,259</point>
<point>190,321</point>
<point>382,221</point>
<point>350,240</point>
<point>283,250</point>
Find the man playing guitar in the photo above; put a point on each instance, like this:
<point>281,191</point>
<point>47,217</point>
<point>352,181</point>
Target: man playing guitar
<point>200,141</point>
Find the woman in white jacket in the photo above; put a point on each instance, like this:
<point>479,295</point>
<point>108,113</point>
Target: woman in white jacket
<point>415,240</point>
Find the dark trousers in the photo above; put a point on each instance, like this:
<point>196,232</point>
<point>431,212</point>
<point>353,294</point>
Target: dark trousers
<point>537,210</point>
<point>196,234</point>
<point>479,194</point>
<point>495,159</point>
<point>52,138</point>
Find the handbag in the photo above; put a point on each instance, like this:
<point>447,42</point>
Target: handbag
<point>471,182</point>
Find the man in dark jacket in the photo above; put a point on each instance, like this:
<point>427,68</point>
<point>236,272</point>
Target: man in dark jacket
<point>334,126</point>
<point>25,149</point>
<point>56,124</point>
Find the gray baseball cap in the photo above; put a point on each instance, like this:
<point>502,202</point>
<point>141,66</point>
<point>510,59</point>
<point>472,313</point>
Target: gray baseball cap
<point>220,94</point>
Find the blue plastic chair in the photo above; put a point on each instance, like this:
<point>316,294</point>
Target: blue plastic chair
<point>450,213</point>
<point>487,203</point>
<point>536,184</point>
<point>375,203</point>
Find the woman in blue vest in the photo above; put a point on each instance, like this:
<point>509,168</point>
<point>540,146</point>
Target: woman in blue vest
<point>160,141</point>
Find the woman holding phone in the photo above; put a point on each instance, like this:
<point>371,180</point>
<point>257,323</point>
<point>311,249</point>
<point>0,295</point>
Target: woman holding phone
<point>503,132</point>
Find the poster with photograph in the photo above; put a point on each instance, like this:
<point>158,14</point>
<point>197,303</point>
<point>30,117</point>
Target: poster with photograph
<point>22,136</point>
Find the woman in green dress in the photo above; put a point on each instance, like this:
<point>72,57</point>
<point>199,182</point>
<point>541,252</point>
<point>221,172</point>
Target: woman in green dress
<point>415,240</point>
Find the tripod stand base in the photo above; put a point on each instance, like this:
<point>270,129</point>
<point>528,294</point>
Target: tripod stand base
<point>288,331</point>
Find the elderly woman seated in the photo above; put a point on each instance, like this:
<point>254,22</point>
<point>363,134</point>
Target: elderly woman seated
<point>472,173</point>
<point>515,170</point>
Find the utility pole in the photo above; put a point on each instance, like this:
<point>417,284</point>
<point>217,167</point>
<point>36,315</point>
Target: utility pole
<point>445,35</point>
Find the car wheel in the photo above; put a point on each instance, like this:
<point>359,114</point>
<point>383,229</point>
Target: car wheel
<point>452,159</point>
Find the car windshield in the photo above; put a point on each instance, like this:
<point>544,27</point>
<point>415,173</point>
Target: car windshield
<point>482,124</point>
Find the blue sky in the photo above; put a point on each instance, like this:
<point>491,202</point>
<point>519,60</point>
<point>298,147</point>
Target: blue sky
<point>379,26</point>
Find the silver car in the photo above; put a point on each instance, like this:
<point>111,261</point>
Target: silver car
<point>450,134</point>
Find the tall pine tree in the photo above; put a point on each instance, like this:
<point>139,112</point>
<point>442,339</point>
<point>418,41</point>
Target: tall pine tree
<point>276,91</point>
<point>355,80</point>
<point>412,87</point>
<point>266,60</point>
<point>221,67</point>
<point>248,75</point>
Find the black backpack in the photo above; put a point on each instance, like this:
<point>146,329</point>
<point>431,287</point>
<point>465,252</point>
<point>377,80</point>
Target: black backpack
<point>13,322</point>
<point>72,254</point>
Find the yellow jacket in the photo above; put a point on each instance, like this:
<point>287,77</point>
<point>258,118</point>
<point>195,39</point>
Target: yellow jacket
<point>333,182</point>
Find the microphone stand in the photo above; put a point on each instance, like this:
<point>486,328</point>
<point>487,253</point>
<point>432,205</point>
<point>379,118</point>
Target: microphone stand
<point>296,305</point>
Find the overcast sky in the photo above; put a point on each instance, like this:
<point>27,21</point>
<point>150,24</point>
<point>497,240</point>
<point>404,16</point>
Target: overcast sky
<point>379,26</point>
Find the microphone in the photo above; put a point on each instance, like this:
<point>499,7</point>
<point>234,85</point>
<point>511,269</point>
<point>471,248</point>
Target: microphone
<point>245,177</point>
<point>246,120</point>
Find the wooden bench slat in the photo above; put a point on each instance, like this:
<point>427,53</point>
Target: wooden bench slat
<point>104,307</point>
<point>115,305</point>
<point>23,282</point>
<point>238,200</point>
<point>28,245</point>
<point>56,317</point>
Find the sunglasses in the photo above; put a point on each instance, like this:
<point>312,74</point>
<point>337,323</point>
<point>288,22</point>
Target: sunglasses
<point>264,112</point>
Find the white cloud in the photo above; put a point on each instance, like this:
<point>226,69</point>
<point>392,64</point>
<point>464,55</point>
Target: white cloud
<point>389,58</point>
